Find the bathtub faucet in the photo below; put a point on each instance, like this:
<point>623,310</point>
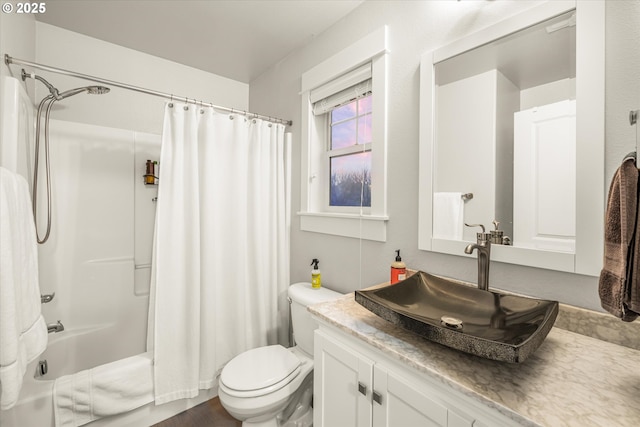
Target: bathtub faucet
<point>55,327</point>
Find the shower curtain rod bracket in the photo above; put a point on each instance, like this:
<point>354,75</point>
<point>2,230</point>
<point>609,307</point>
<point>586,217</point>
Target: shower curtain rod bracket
<point>11,60</point>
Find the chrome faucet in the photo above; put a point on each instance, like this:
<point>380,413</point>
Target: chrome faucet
<point>483,246</point>
<point>55,327</point>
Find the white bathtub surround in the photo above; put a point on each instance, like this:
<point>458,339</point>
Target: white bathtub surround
<point>221,251</point>
<point>23,332</point>
<point>109,389</point>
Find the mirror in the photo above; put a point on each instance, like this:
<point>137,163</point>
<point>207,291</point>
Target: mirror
<point>511,135</point>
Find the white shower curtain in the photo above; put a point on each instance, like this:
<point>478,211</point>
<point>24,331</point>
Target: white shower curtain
<point>221,250</point>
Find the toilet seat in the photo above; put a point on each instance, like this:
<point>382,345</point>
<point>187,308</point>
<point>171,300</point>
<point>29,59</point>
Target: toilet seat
<point>259,371</point>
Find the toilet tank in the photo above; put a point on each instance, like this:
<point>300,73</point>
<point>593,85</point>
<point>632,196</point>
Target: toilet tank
<point>303,295</point>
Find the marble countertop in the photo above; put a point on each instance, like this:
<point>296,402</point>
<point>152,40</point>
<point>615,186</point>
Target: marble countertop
<point>571,379</point>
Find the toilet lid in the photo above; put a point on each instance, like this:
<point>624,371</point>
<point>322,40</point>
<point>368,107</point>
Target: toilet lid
<point>259,368</point>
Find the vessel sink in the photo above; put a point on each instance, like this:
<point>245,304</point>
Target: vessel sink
<point>488,324</point>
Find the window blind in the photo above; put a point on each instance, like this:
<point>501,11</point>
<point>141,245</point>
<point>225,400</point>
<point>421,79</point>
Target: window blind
<point>342,90</point>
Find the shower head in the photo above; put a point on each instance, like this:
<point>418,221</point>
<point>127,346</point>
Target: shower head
<point>97,90</point>
<point>93,90</point>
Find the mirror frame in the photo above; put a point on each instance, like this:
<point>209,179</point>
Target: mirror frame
<point>590,131</point>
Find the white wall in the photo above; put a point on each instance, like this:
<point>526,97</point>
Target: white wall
<point>415,28</point>
<point>123,108</point>
<point>622,90</point>
<point>477,134</point>
<point>17,38</point>
<point>548,93</point>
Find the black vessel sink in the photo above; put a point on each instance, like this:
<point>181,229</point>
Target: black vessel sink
<point>488,324</point>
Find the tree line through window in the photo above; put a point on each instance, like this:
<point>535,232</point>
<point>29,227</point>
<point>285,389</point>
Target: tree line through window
<point>350,154</point>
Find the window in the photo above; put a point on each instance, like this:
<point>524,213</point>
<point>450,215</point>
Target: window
<point>344,142</point>
<point>349,154</point>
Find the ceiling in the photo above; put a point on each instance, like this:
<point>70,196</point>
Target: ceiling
<point>236,39</point>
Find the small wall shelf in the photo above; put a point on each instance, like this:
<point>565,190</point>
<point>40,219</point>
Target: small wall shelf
<point>151,175</point>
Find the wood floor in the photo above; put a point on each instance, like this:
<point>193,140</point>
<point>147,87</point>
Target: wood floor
<point>207,414</point>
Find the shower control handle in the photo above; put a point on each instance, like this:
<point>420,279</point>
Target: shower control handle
<point>44,299</point>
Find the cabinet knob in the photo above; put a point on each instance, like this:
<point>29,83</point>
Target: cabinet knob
<point>377,397</point>
<point>362,389</point>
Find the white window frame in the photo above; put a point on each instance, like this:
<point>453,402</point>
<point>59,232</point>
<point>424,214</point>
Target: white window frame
<point>315,216</point>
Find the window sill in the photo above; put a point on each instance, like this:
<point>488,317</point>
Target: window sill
<point>367,227</point>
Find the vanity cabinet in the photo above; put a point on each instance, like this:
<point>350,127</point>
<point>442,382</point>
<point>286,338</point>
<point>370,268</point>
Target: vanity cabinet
<point>356,385</point>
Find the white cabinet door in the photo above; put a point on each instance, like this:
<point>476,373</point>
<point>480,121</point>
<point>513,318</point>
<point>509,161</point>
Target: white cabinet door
<point>397,403</point>
<point>343,382</point>
<point>544,177</point>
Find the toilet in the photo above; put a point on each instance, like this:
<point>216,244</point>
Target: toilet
<point>272,386</point>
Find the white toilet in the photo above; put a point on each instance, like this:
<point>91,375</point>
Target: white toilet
<point>272,386</point>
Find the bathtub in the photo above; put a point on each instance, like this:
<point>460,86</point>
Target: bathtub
<point>69,352</point>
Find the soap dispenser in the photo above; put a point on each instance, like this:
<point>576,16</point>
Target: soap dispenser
<point>496,235</point>
<point>316,280</point>
<point>398,269</point>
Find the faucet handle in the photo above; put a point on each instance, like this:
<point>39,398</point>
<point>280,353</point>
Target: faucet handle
<point>480,237</point>
<point>475,225</point>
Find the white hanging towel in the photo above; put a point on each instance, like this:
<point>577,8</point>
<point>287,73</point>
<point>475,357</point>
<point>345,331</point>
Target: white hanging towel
<point>448,215</point>
<point>23,332</point>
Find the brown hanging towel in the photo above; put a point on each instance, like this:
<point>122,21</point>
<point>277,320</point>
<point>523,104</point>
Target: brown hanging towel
<point>619,276</point>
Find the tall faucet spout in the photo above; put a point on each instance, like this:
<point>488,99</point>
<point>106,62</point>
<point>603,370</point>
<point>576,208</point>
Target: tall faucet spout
<point>55,327</point>
<point>484,251</point>
<point>469,249</point>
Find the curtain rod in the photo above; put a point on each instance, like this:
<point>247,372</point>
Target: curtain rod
<point>11,60</point>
